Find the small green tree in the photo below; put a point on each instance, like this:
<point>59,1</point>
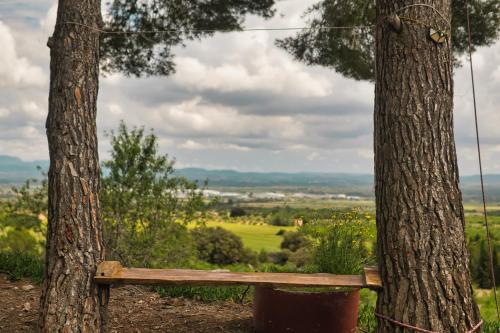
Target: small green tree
<point>143,203</point>
<point>31,197</point>
<point>22,221</point>
<point>219,246</point>
<point>281,217</point>
<point>483,272</point>
<point>294,240</point>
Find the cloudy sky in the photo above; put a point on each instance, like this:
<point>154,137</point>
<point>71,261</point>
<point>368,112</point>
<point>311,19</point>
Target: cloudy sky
<point>236,101</point>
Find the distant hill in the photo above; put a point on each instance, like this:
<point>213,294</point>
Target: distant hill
<point>15,171</point>
<point>251,179</point>
<point>348,183</point>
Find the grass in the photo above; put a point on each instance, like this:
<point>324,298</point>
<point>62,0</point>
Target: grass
<point>207,294</point>
<point>22,265</point>
<point>486,303</point>
<point>255,237</point>
<point>364,205</point>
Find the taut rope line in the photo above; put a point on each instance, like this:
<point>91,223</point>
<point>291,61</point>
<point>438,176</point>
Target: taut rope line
<point>488,235</point>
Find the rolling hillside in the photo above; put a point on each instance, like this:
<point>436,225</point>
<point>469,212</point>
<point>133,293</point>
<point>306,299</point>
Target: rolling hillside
<point>14,171</point>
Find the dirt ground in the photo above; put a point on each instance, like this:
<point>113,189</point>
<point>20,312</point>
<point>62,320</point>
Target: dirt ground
<point>132,309</point>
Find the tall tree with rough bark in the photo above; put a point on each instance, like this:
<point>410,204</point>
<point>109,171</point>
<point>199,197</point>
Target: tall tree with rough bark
<point>69,301</point>
<point>74,237</point>
<point>422,249</point>
<point>422,252</point>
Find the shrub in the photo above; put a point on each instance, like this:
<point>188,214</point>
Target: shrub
<point>491,327</point>
<point>22,220</point>
<point>237,212</point>
<point>281,218</point>
<point>19,265</point>
<point>340,243</point>
<point>263,256</point>
<point>21,240</point>
<point>281,232</point>
<point>219,246</point>
<point>294,240</point>
<point>279,258</point>
<point>302,257</point>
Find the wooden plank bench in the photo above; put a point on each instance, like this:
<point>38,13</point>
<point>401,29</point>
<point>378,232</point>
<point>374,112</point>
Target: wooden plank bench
<point>112,272</point>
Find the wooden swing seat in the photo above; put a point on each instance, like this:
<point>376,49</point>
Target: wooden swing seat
<point>112,272</point>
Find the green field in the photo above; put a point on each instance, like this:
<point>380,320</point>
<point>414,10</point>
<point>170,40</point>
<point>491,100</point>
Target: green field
<point>363,205</point>
<point>259,236</point>
<point>255,237</point>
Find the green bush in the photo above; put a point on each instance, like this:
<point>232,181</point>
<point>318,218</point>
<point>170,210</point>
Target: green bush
<point>237,212</point>
<point>294,240</point>
<point>302,257</point>
<point>22,220</point>
<point>279,258</point>
<point>19,265</point>
<point>480,261</point>
<point>263,256</point>
<point>281,218</point>
<point>340,243</point>
<point>366,318</point>
<point>281,232</point>
<point>219,246</point>
<point>21,240</point>
<point>491,327</point>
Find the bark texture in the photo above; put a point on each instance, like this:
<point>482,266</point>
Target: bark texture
<point>74,238</point>
<point>422,251</point>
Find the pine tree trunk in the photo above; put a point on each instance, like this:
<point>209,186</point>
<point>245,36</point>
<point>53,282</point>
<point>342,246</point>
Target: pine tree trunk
<point>422,251</point>
<point>74,238</point>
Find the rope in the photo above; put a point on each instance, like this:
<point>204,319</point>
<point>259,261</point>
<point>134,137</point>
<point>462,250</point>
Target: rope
<point>418,329</point>
<point>424,5</point>
<point>131,32</point>
<point>441,15</point>
<point>403,324</point>
<point>119,32</point>
<point>488,235</point>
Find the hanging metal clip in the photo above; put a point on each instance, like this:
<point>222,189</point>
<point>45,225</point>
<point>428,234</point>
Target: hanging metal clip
<point>438,36</point>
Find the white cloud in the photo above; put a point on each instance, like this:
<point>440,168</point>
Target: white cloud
<point>314,156</point>
<point>34,112</point>
<point>194,145</point>
<point>257,108</point>
<point>48,22</point>
<point>194,116</point>
<point>4,112</point>
<point>15,70</point>
<point>267,70</point>
<point>115,109</point>
<point>365,153</point>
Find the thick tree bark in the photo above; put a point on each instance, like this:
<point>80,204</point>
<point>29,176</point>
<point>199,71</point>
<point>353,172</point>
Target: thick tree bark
<point>69,300</point>
<point>422,251</point>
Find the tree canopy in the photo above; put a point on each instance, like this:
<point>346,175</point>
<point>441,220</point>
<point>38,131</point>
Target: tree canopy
<point>180,21</point>
<point>142,201</point>
<point>351,52</point>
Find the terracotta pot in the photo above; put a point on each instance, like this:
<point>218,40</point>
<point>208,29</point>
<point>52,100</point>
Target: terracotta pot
<point>283,311</point>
